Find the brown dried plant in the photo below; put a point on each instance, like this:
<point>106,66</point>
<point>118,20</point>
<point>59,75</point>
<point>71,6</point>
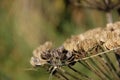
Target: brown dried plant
<point>106,6</point>
<point>97,50</point>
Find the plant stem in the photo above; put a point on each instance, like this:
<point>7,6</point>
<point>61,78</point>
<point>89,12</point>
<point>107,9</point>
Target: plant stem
<point>84,75</point>
<point>71,75</point>
<point>109,17</point>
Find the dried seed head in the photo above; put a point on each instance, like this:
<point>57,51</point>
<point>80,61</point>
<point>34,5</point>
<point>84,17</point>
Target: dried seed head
<point>88,44</point>
<point>111,32</point>
<point>77,47</point>
<point>94,33</point>
<point>71,44</point>
<point>59,56</point>
<point>112,43</point>
<point>42,48</point>
<point>82,41</point>
<point>41,54</point>
<point>109,36</point>
<point>54,57</point>
<point>106,35</point>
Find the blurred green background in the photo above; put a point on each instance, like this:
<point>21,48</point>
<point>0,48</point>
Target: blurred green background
<point>25,24</point>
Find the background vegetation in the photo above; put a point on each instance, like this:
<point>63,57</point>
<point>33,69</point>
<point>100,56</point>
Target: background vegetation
<point>25,24</point>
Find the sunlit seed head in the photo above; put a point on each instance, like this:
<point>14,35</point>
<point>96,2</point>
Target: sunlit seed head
<point>39,53</point>
<point>112,43</point>
<point>88,44</point>
<point>92,33</point>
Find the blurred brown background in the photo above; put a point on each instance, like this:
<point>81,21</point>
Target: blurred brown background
<point>25,24</point>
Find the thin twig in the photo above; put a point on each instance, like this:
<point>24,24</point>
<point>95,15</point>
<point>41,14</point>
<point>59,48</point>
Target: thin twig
<point>99,54</point>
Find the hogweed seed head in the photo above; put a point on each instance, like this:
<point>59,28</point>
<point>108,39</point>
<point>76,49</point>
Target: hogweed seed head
<point>87,49</point>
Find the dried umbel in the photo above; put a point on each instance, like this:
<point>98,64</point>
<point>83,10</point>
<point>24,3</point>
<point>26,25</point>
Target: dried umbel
<point>106,6</point>
<point>103,5</point>
<point>77,47</point>
<point>94,41</point>
<point>54,57</point>
<point>94,37</point>
<point>89,49</point>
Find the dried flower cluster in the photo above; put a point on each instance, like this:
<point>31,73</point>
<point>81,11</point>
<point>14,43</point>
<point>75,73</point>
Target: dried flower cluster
<point>82,47</point>
<point>108,38</point>
<point>46,55</point>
